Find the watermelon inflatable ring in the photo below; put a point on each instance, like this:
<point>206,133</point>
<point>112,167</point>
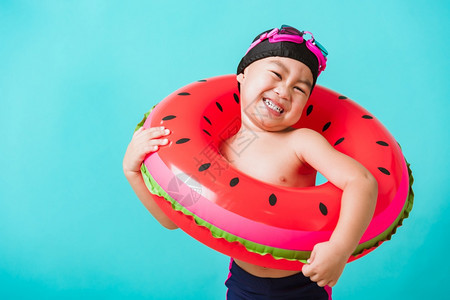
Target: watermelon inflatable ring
<point>250,220</point>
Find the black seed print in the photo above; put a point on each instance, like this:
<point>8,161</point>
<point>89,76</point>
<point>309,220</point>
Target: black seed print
<point>169,117</point>
<point>382,143</point>
<point>323,209</point>
<point>182,141</point>
<point>367,117</point>
<point>234,181</point>
<point>206,132</point>
<point>384,171</point>
<point>326,126</point>
<point>236,98</point>
<point>339,141</point>
<point>183,94</point>
<point>309,110</point>
<point>204,167</point>
<point>272,199</point>
<point>207,120</point>
<point>342,97</point>
<point>219,106</point>
<point>202,80</point>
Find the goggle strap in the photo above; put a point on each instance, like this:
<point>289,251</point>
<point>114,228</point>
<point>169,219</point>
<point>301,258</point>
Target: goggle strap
<point>276,36</point>
<point>318,53</point>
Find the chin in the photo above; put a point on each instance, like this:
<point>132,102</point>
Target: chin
<point>275,128</point>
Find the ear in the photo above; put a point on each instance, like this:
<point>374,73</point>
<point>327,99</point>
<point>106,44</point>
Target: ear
<point>240,77</point>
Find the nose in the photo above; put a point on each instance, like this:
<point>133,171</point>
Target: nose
<point>282,91</point>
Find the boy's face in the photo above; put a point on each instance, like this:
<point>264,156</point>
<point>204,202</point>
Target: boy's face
<point>274,91</point>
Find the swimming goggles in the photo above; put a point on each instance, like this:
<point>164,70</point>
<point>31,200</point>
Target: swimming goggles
<point>290,34</point>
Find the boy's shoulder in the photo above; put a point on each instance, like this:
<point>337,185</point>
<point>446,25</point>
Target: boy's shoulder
<point>304,133</point>
<point>302,138</point>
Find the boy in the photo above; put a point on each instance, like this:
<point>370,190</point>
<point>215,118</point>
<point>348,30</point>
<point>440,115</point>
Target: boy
<point>276,78</point>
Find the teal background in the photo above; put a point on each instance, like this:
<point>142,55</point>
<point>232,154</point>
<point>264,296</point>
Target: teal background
<point>76,77</point>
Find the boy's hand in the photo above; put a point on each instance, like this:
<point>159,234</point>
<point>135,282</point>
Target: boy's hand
<point>144,141</point>
<point>326,263</point>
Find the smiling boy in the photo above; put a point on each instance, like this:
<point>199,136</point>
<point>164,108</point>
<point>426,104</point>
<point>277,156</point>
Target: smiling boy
<point>276,78</point>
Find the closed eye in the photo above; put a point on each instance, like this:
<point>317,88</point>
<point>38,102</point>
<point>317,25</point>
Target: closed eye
<point>299,89</point>
<point>276,74</point>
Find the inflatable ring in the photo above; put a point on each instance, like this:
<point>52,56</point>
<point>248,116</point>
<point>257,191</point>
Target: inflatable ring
<point>250,220</point>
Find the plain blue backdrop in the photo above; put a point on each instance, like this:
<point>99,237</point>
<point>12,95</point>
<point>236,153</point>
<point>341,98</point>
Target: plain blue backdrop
<point>76,77</point>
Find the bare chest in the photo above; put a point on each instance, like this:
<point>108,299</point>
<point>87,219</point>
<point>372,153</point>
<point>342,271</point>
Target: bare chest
<point>271,161</point>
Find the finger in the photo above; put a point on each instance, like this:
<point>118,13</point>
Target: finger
<point>148,134</point>
<point>138,131</point>
<point>313,274</point>
<point>152,148</point>
<point>322,283</point>
<point>312,257</point>
<point>160,142</point>
<point>315,277</point>
<point>306,270</point>
<point>154,145</point>
<point>331,283</point>
<point>156,132</point>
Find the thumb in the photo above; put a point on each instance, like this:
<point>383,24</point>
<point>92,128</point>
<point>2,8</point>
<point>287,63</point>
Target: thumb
<point>312,257</point>
<point>306,269</point>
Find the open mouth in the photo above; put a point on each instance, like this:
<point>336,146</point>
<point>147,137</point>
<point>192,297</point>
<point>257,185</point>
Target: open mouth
<point>271,105</point>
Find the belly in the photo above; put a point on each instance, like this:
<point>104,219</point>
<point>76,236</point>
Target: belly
<point>264,272</point>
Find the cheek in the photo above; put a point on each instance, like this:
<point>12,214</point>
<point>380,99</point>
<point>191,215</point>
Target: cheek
<point>254,86</point>
<point>249,97</point>
<point>266,80</point>
<point>299,105</point>
<point>252,89</point>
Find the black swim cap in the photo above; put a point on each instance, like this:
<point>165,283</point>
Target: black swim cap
<point>292,50</point>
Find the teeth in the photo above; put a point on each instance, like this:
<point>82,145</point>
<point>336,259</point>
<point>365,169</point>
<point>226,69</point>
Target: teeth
<point>273,106</point>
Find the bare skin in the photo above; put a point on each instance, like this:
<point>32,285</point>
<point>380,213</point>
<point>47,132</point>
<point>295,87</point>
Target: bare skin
<point>290,157</point>
<point>143,143</point>
<point>265,160</point>
<point>274,92</point>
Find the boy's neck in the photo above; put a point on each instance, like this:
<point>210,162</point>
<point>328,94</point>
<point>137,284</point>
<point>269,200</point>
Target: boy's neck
<point>248,126</point>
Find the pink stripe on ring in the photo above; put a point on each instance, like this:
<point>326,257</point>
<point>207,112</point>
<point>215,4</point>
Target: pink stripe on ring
<point>226,220</point>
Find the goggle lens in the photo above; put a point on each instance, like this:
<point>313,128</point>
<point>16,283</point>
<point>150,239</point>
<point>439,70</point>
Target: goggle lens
<point>321,48</point>
<point>286,29</point>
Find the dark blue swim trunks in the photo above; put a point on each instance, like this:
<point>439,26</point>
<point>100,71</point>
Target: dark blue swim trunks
<point>243,285</point>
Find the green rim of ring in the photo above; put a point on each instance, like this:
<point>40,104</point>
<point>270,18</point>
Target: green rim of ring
<point>277,253</point>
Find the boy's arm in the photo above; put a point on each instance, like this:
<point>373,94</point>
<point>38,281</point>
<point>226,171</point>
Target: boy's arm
<point>143,142</point>
<point>358,202</point>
